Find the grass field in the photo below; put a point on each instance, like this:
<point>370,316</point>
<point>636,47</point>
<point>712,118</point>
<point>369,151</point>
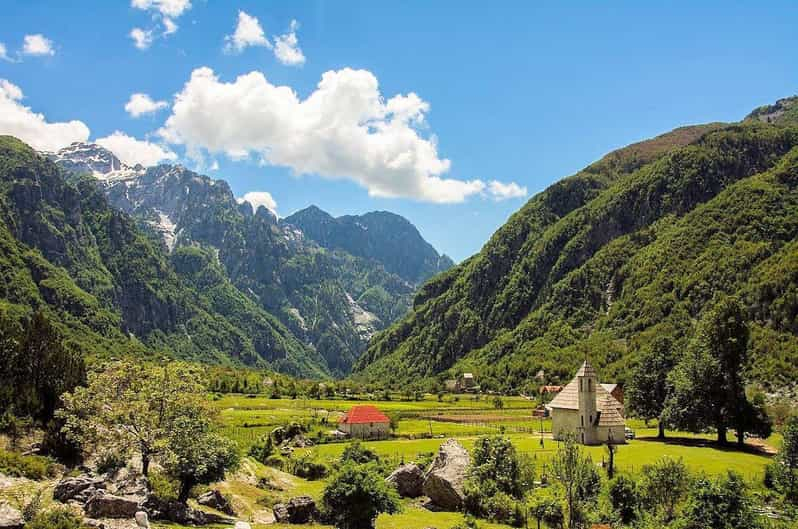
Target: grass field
<point>421,428</point>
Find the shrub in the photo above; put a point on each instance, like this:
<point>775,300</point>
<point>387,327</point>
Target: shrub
<point>275,461</point>
<point>623,497</point>
<point>547,509</point>
<point>58,518</point>
<point>357,453</point>
<point>31,467</point>
<point>110,461</point>
<point>262,449</point>
<point>163,487</point>
<point>305,467</point>
<point>33,507</point>
<point>356,495</point>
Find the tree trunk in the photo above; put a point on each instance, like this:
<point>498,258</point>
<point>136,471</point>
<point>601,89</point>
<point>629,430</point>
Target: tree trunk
<point>722,435</point>
<point>145,463</point>
<point>661,430</point>
<point>740,438</point>
<point>185,490</point>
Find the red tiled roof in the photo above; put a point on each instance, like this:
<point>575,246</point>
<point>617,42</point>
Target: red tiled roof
<point>364,414</point>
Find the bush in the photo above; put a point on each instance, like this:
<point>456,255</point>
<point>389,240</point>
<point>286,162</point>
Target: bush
<point>623,498</point>
<point>163,487</point>
<point>275,461</point>
<point>262,449</point>
<point>31,467</point>
<point>305,467</point>
<point>110,461</point>
<point>58,518</point>
<point>548,510</point>
<point>356,495</point>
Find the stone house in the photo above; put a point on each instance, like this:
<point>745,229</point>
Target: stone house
<point>586,409</point>
<point>365,422</point>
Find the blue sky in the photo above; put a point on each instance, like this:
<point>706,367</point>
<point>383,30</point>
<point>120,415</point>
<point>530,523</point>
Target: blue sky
<point>515,95</point>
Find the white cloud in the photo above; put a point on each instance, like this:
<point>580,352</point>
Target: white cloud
<point>248,32</point>
<point>4,53</point>
<point>500,191</point>
<point>140,104</point>
<point>286,47</point>
<point>32,128</point>
<point>142,38</point>
<point>132,151</point>
<point>343,130</point>
<point>260,198</point>
<point>169,26</point>
<point>167,8</point>
<point>37,44</point>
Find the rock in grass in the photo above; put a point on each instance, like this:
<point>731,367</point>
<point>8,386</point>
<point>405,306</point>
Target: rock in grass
<point>444,480</point>
<point>10,518</point>
<point>408,480</point>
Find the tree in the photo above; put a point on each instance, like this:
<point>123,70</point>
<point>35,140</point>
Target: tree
<point>577,475</point>
<point>786,463</point>
<point>623,497</point>
<point>611,449</point>
<point>546,509</point>
<point>36,367</point>
<point>663,485</point>
<point>132,406</point>
<point>722,503</point>
<point>649,386</point>
<point>356,495</point>
<point>498,403</point>
<point>708,388</point>
<point>194,454</point>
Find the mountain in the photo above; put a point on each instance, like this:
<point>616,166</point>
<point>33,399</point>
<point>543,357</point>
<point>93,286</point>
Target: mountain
<point>633,246</point>
<point>331,299</point>
<point>110,287</point>
<point>385,237</point>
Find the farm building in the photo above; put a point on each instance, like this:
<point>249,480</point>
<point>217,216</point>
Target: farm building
<point>467,382</point>
<point>585,408</point>
<point>365,422</point>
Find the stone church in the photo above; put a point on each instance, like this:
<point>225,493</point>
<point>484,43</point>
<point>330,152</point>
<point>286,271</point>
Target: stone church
<point>586,409</point>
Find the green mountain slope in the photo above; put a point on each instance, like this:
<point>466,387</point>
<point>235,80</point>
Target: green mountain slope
<point>110,286</point>
<point>634,245</point>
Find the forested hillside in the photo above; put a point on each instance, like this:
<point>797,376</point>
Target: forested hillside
<point>633,246</point>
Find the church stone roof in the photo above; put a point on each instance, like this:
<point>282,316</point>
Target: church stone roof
<point>608,405</point>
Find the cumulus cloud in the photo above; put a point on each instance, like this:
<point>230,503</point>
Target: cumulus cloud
<point>4,53</point>
<point>286,47</point>
<point>141,104</point>
<point>248,32</point>
<point>32,128</point>
<point>37,44</point>
<point>169,26</point>
<point>344,129</point>
<point>501,191</point>
<point>260,198</point>
<point>133,151</point>
<point>167,8</point>
<point>142,38</point>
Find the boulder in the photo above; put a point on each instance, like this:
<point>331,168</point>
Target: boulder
<point>242,525</point>
<point>80,488</point>
<point>408,480</point>
<point>443,482</point>
<point>10,518</point>
<point>103,505</point>
<point>127,482</point>
<point>142,520</point>
<point>215,500</point>
<point>174,511</point>
<point>301,509</point>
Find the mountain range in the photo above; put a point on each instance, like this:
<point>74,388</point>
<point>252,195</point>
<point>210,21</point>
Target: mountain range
<point>632,247</point>
<point>163,260</point>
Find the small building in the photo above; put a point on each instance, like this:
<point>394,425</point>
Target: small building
<point>466,382</point>
<point>587,410</point>
<point>365,422</point>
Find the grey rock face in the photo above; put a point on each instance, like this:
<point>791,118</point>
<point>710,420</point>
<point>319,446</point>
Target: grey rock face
<point>215,500</point>
<point>443,482</point>
<point>301,509</point>
<point>102,505</point>
<point>142,520</point>
<point>79,489</point>
<point>408,480</point>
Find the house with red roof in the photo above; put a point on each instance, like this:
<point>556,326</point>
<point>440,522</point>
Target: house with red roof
<point>365,422</point>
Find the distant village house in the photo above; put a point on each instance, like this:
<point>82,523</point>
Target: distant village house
<point>365,422</point>
<point>589,410</point>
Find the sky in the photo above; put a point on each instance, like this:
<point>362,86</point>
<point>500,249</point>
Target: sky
<point>452,114</point>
